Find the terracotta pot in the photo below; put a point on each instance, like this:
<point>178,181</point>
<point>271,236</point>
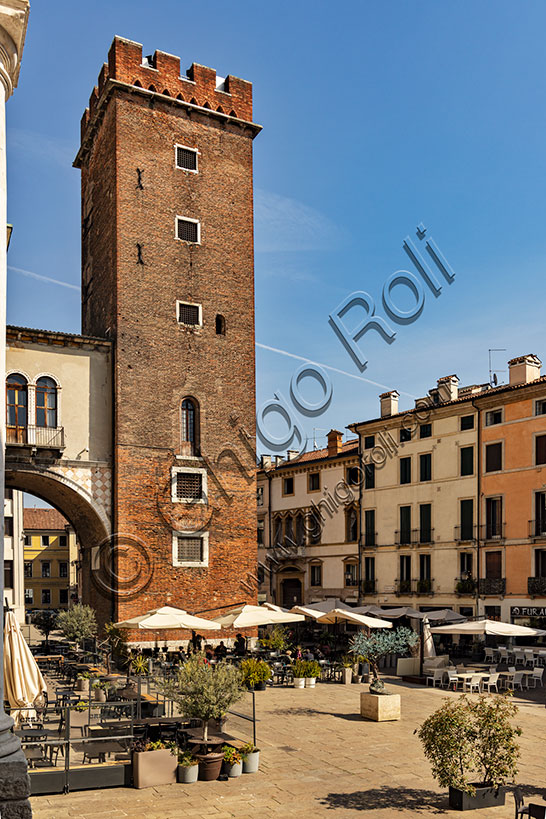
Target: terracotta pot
<point>210,766</point>
<point>154,768</point>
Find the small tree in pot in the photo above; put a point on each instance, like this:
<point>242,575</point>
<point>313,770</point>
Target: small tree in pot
<point>204,693</point>
<point>46,622</point>
<point>472,748</point>
<point>78,623</point>
<point>377,645</point>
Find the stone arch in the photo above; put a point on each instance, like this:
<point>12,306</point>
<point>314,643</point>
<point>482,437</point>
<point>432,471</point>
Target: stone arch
<point>86,516</point>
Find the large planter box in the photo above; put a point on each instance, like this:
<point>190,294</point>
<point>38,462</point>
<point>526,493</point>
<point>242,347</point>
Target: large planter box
<point>154,768</point>
<point>484,798</point>
<point>379,707</point>
<point>407,666</point>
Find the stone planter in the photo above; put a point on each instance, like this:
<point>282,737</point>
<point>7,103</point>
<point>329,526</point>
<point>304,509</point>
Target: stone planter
<point>299,682</point>
<point>251,763</point>
<point>233,770</point>
<point>210,766</point>
<point>100,695</point>
<point>357,678</point>
<point>379,707</point>
<point>82,685</point>
<point>347,676</point>
<point>310,682</point>
<point>154,768</point>
<point>187,773</point>
<point>486,797</point>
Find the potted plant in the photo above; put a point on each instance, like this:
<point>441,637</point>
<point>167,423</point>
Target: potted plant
<point>347,664</point>
<point>200,692</point>
<point>472,748</point>
<point>298,670</point>
<point>82,683</point>
<point>276,640</point>
<point>233,763</point>
<point>154,763</point>
<point>251,758</point>
<point>312,671</point>
<point>188,768</point>
<point>101,689</point>
<point>255,674</point>
<point>78,623</point>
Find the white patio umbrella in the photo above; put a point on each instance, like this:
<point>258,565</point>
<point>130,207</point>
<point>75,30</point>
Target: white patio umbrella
<point>492,627</point>
<point>337,615</point>
<point>168,617</point>
<point>429,649</point>
<point>248,616</point>
<point>23,680</point>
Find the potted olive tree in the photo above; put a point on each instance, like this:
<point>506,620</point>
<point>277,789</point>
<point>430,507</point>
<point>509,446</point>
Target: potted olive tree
<point>472,748</point>
<point>204,693</point>
<point>154,763</point>
<point>374,705</point>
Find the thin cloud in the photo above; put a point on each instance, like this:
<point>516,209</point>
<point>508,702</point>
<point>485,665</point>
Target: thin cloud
<point>284,224</point>
<point>328,367</point>
<point>41,278</point>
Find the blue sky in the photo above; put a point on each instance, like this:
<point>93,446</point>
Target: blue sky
<point>377,116</point>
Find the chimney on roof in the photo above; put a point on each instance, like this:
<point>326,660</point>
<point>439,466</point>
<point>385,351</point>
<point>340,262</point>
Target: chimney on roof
<point>335,442</point>
<point>266,462</point>
<point>292,454</point>
<point>278,459</point>
<point>448,388</point>
<point>389,403</point>
<point>523,369</point>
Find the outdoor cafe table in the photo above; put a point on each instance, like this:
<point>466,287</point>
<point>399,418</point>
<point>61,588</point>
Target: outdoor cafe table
<point>537,810</point>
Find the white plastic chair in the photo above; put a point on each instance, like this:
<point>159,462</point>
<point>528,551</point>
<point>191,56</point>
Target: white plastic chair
<point>529,658</point>
<point>473,684</point>
<point>519,657</point>
<point>536,678</point>
<point>437,677</point>
<point>516,680</point>
<point>489,655</point>
<point>492,682</point>
<point>503,653</point>
<point>452,680</point>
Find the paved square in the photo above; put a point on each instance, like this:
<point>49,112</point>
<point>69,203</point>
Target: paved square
<point>319,758</point>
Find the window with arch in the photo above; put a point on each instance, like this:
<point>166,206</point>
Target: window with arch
<point>46,403</point>
<point>16,408</point>
<point>220,325</point>
<point>189,427</point>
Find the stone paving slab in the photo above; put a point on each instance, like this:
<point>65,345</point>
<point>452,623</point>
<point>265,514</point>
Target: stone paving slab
<point>319,758</point>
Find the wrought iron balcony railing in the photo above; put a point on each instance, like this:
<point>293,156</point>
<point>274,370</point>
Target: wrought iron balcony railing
<point>465,533</point>
<point>465,586</point>
<point>414,537</point>
<point>492,531</point>
<point>403,587</point>
<point>492,586</point>
<point>50,437</point>
<point>424,586</point>
<point>537,528</point>
<point>536,586</point>
<point>370,539</point>
<point>368,586</point>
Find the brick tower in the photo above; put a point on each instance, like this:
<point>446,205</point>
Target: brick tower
<point>167,274</point>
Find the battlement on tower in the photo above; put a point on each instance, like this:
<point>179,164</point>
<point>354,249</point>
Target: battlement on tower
<point>160,73</point>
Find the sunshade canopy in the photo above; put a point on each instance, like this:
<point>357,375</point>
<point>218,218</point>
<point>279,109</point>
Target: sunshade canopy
<point>23,680</point>
<point>439,615</point>
<point>168,617</point>
<point>250,616</point>
<point>338,615</point>
<point>492,627</point>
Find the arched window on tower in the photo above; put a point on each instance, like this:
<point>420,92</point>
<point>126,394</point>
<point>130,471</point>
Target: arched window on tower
<point>220,325</point>
<point>16,409</point>
<point>189,427</point>
<point>46,403</point>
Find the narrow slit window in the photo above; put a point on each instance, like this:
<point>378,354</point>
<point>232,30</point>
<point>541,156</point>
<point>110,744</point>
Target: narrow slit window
<point>220,325</point>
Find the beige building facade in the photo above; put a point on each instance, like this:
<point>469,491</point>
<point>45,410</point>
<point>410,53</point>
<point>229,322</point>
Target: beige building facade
<point>13,553</point>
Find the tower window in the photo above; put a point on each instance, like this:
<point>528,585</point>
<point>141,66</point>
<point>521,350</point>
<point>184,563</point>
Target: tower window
<point>189,428</point>
<point>186,158</point>
<point>46,403</point>
<point>189,485</point>
<point>220,325</point>
<point>190,549</point>
<point>188,230</point>
<point>189,314</point>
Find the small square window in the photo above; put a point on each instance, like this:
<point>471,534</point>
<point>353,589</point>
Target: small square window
<point>369,441</point>
<point>405,435</point>
<point>288,486</point>
<point>425,430</point>
<point>188,230</point>
<point>540,407</point>
<point>62,541</point>
<point>314,481</point>
<point>189,485</point>
<point>493,417</point>
<point>186,158</point>
<point>467,422</point>
<point>189,314</point>
<point>190,549</point>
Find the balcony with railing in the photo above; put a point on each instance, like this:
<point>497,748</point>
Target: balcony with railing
<point>368,586</point>
<point>44,437</point>
<point>492,531</point>
<point>465,533</point>
<point>424,586</point>
<point>465,586</point>
<point>537,528</point>
<point>370,540</point>
<point>536,586</point>
<point>414,537</point>
<point>494,586</point>
<point>403,587</point>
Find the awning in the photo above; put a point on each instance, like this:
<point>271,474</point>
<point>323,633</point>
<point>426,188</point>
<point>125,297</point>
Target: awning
<point>167,617</point>
<point>23,680</point>
<point>492,627</point>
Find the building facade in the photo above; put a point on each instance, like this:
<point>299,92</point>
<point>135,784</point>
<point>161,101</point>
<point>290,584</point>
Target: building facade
<point>13,553</point>
<point>450,498</point>
<point>50,560</point>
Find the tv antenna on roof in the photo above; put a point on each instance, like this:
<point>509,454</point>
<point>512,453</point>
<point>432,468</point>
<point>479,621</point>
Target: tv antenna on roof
<point>493,380</point>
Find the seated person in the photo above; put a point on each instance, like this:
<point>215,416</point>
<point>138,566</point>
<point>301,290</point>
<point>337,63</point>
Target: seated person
<point>240,645</point>
<point>209,652</point>
<point>220,651</point>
